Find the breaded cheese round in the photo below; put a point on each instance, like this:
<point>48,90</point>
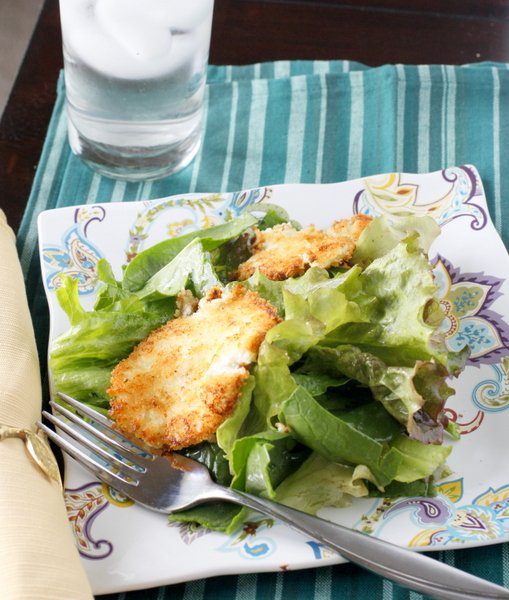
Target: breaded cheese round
<point>181,382</point>
<point>283,251</point>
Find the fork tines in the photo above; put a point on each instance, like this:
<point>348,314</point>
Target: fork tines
<point>121,461</point>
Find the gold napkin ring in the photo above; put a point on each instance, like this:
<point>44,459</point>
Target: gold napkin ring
<point>38,448</point>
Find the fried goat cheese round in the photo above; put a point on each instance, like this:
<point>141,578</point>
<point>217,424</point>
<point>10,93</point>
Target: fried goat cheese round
<point>283,251</point>
<point>181,382</point>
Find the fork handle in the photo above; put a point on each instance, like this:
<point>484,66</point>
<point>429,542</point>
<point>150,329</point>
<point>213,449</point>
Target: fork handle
<point>410,569</point>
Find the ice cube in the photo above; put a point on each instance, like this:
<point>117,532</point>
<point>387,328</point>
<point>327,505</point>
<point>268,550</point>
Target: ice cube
<point>83,40</point>
<point>185,15</point>
<point>74,14</point>
<point>132,38</point>
<point>134,28</point>
<point>188,49</point>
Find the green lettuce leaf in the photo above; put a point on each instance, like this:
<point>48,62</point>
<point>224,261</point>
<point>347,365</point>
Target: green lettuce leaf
<point>320,483</point>
<point>318,385</point>
<point>420,461</point>
<point>81,359</point>
<point>68,297</point>
<point>272,218</point>
<point>228,432</point>
<point>402,283</point>
<point>364,436</point>
<point>216,514</point>
<point>337,439</point>
<point>414,396</point>
<point>150,261</point>
<point>269,290</point>
<point>190,268</point>
<point>212,456</point>
<point>274,384</point>
<point>112,291</point>
<point>380,237</point>
<point>262,461</point>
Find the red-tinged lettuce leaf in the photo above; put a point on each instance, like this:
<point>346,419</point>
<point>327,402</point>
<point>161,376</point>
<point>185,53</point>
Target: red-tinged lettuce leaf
<point>414,396</point>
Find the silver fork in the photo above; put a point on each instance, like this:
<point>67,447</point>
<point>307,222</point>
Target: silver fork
<point>168,484</point>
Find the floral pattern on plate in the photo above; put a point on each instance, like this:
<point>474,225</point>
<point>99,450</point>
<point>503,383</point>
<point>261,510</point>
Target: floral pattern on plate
<point>445,520</point>
<point>395,195</point>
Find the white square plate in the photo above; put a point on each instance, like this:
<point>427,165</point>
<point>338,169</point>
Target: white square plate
<point>125,547</point>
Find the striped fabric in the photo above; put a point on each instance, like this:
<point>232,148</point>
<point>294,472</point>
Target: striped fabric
<point>316,121</point>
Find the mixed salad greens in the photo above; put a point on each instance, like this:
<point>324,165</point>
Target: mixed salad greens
<point>347,396</point>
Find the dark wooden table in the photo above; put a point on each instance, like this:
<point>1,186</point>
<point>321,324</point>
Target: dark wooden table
<point>373,32</point>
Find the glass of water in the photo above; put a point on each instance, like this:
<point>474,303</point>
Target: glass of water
<point>135,73</point>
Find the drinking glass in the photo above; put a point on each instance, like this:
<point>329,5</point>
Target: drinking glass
<point>135,73</point>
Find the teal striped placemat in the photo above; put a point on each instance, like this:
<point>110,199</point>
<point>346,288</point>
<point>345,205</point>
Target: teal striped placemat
<point>308,122</point>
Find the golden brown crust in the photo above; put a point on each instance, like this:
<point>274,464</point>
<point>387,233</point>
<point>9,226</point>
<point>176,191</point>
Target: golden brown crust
<point>283,252</point>
<point>352,228</point>
<point>181,382</point>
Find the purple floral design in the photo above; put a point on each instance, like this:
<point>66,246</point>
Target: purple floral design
<point>469,188</point>
<point>467,300</point>
<point>443,520</point>
<point>84,504</point>
<point>427,511</point>
<point>190,532</point>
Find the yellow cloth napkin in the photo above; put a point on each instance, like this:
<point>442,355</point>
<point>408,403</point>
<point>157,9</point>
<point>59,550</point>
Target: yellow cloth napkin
<point>38,558</point>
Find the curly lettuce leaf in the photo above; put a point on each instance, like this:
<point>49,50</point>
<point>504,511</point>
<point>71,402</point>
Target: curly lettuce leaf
<point>380,237</point>
<point>308,320</point>
<point>82,358</point>
<point>328,306</point>
<point>403,284</point>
